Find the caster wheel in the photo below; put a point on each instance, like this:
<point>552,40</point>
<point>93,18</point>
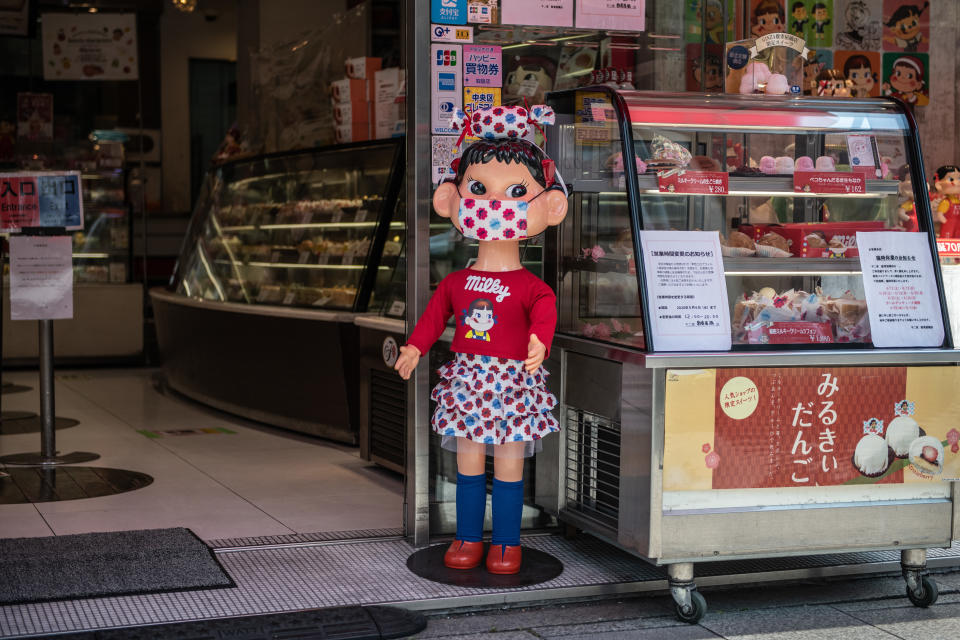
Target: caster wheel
<point>926,597</point>
<point>698,607</point>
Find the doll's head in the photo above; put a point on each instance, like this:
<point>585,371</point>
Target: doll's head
<point>479,315</point>
<point>905,21</point>
<point>831,82</point>
<point>859,73</point>
<point>504,187</point>
<point>907,74</point>
<point>947,180</point>
<point>767,18</point>
<point>798,10</point>
<point>820,12</point>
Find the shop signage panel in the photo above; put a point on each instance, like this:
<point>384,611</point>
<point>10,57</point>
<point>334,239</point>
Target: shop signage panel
<point>446,86</point>
<point>89,46</point>
<point>900,289</point>
<point>41,277</point>
<point>482,66</point>
<point>15,20</point>
<point>829,182</point>
<point>49,199</point>
<point>754,428</point>
<point>948,248</point>
<point>541,13</point>
<point>687,291</point>
<point>622,15</point>
<point>697,182</point>
<point>448,11</point>
<point>444,33</point>
<point>35,116</point>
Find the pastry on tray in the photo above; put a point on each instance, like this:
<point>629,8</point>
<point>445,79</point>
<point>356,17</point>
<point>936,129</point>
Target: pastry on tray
<point>773,245</point>
<point>737,244</point>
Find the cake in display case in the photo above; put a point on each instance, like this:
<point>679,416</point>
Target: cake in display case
<point>787,183</point>
<point>302,229</point>
<point>284,252</point>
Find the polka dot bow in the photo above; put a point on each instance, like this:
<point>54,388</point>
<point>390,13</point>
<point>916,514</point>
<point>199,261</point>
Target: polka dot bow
<point>502,122</point>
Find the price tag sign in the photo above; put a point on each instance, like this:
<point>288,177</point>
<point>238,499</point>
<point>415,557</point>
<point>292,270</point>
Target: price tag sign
<point>829,182</point>
<point>900,288</point>
<point>948,248</point>
<point>687,290</point>
<point>696,182</point>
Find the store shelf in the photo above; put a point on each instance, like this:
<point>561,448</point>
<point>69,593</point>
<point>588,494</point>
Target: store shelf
<point>740,186</point>
<point>791,266</point>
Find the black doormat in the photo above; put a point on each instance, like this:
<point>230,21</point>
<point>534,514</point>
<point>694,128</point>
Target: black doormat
<point>335,623</point>
<point>536,567</point>
<point>117,563</point>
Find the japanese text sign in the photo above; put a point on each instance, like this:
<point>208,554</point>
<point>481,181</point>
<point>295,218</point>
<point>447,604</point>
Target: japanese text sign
<point>622,15</point>
<point>448,11</point>
<point>89,46</point>
<point>701,182</point>
<point>805,427</point>
<point>686,290</point>
<point>829,182</point>
<point>41,277</point>
<point>482,66</point>
<point>49,199</point>
<point>901,291</point>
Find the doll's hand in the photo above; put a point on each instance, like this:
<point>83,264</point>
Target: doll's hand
<point>407,361</point>
<point>535,354</point>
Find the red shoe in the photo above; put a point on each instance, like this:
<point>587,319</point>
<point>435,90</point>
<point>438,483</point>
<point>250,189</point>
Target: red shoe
<point>504,560</point>
<point>463,555</point>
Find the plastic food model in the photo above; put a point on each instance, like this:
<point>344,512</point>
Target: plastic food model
<point>754,78</point>
<point>776,84</point>
<point>946,202</point>
<point>492,399</point>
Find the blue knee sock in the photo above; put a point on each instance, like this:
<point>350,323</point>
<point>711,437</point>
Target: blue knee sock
<point>507,508</point>
<point>471,503</point>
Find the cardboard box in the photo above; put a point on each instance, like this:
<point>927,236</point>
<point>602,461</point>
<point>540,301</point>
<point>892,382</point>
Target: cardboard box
<point>795,233</point>
<point>351,112</point>
<point>348,90</point>
<point>362,68</point>
<point>356,132</point>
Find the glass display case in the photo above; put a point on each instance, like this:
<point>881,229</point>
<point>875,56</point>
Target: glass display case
<point>786,183</point>
<point>102,251</point>
<point>314,228</point>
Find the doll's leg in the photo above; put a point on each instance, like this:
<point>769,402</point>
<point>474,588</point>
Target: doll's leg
<point>505,556</point>
<point>466,551</point>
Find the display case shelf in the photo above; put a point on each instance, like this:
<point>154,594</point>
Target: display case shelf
<point>791,266</point>
<point>739,186</point>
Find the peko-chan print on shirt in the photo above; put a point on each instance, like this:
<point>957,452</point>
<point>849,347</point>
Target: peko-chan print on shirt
<point>496,313</point>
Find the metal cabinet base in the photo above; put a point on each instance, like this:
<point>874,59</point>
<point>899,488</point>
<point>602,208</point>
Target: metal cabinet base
<point>294,369</point>
<point>383,394</point>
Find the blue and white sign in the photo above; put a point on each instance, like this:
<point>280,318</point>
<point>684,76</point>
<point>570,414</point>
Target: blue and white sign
<point>448,11</point>
<point>446,85</point>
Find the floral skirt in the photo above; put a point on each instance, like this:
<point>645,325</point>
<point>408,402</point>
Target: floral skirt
<point>491,400</point>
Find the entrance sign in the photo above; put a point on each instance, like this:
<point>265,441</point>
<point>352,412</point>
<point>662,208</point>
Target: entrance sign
<point>47,199</point>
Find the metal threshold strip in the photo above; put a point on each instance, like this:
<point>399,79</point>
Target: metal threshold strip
<point>298,573</point>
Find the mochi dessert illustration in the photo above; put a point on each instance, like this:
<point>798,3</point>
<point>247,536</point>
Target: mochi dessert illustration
<point>926,455</point>
<point>872,456</point>
<point>903,429</point>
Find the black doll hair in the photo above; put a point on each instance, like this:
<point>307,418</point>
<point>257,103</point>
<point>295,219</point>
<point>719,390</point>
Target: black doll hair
<point>942,172</point>
<point>819,5</point>
<point>504,150</point>
<point>796,5</point>
<point>905,11</point>
<point>857,62</point>
<point>768,6</point>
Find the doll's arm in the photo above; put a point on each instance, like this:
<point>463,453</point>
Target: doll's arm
<point>432,323</point>
<point>543,315</point>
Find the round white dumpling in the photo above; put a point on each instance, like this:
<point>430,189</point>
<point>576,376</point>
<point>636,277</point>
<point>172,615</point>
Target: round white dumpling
<point>900,433</point>
<point>871,455</point>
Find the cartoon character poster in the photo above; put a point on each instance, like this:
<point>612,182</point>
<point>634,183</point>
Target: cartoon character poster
<point>478,319</point>
<point>906,25</point>
<point>799,17</point>
<point>705,72</point>
<point>767,16</point>
<point>820,26</point>
<point>693,19</point>
<point>907,77</point>
<point>861,70</point>
<point>858,24</point>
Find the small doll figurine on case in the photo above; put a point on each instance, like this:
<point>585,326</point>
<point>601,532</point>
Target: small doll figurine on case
<point>491,399</point>
<point>946,201</point>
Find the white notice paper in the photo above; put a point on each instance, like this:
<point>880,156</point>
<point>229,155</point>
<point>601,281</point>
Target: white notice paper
<point>41,277</point>
<point>686,290</point>
<point>901,290</point>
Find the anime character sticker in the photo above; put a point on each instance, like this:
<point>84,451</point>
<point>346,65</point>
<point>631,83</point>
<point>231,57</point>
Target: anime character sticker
<point>906,25</point>
<point>906,77</point>
<point>858,24</point>
<point>767,17</point>
<point>820,29</point>
<point>798,18</point>
<point>861,70</point>
<point>479,319</point>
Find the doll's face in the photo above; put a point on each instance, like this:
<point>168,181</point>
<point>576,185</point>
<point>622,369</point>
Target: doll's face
<point>480,319</point>
<point>767,23</point>
<point>799,13</point>
<point>862,78</point>
<point>949,184</point>
<point>907,28</point>
<point>905,78</point>
<point>820,14</point>
<point>497,180</point>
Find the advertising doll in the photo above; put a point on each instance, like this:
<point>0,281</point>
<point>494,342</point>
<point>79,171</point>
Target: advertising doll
<point>906,81</point>
<point>946,200</point>
<point>492,399</point>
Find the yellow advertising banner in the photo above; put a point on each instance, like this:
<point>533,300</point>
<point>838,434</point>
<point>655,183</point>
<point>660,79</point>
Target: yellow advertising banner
<point>805,427</point>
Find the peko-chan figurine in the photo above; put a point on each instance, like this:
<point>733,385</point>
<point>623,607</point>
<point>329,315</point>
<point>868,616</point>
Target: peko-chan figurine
<point>491,399</point>
<point>946,201</point>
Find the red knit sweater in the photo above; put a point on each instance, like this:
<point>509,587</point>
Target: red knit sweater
<point>496,312</point>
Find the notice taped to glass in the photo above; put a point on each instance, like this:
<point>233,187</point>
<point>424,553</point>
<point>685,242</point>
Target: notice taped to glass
<point>687,290</point>
<point>41,277</point>
<point>43,199</point>
<point>900,288</point>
